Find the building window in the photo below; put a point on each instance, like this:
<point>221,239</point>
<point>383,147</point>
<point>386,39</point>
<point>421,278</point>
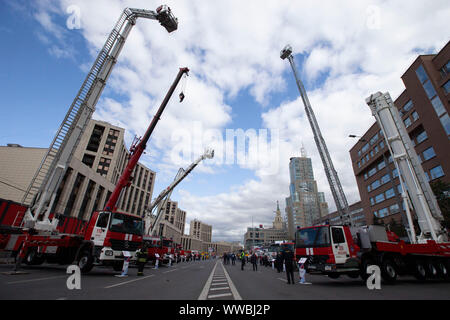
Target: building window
<point>382,213</point>
<point>407,122</point>
<point>428,154</point>
<point>421,74</point>
<point>447,87</point>
<point>375,184</point>
<point>445,120</point>
<point>103,166</point>
<point>73,195</point>
<point>381,145</point>
<point>394,208</point>
<point>445,69</point>
<point>385,179</point>
<point>438,107</point>
<point>88,160</point>
<point>96,137</point>
<point>415,116</point>
<point>372,171</point>
<point>408,106</point>
<point>436,172</point>
<point>429,89</point>
<point>365,148</point>
<point>390,193</point>
<point>379,198</point>
<point>422,137</point>
<point>381,165</point>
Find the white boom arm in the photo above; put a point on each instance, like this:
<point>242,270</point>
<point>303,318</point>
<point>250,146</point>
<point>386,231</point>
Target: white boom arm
<point>41,193</point>
<point>150,228</point>
<point>415,186</point>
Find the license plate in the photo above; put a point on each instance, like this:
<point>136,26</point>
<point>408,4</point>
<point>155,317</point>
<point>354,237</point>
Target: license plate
<point>328,268</point>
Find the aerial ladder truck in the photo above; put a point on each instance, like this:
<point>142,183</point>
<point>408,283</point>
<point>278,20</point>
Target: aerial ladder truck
<point>336,250</point>
<point>153,227</point>
<point>39,239</point>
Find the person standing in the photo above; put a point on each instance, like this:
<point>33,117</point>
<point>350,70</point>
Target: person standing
<point>233,259</point>
<point>279,262</point>
<point>254,261</point>
<point>242,260</point>
<point>141,256</point>
<point>156,260</point>
<point>288,259</point>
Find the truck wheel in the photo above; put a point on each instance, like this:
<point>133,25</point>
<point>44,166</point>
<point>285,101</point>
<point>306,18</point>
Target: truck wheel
<point>442,270</point>
<point>420,272</point>
<point>431,269</point>
<point>364,264</point>
<point>85,262</point>
<point>33,258</point>
<point>388,271</point>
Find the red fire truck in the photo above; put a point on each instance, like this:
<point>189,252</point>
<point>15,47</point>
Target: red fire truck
<point>108,233</point>
<point>344,249</point>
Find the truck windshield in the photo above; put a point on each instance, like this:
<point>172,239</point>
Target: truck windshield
<point>312,237</point>
<point>126,224</point>
<point>285,246</point>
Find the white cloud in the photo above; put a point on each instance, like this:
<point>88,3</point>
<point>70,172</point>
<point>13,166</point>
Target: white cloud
<point>232,46</point>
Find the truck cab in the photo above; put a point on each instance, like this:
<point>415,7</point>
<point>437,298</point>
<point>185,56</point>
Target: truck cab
<point>108,235</point>
<point>329,249</point>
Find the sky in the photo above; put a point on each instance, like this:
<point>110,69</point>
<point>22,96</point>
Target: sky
<point>241,98</point>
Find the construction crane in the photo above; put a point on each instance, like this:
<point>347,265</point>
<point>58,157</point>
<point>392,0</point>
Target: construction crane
<point>41,193</point>
<point>416,191</point>
<point>332,176</point>
<point>150,228</point>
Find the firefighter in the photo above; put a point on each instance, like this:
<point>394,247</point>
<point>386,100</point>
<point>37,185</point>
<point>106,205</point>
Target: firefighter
<point>141,256</point>
<point>242,260</point>
<point>288,259</point>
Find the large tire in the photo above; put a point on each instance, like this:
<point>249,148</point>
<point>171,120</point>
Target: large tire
<point>33,258</point>
<point>388,271</point>
<point>431,269</point>
<point>420,272</point>
<point>364,264</point>
<point>85,261</point>
<point>443,272</point>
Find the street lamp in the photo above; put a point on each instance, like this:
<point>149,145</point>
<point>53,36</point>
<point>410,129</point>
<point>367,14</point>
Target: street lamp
<point>355,136</point>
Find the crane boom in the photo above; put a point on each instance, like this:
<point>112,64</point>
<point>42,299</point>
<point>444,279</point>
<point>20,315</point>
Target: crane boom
<point>136,151</point>
<point>182,173</point>
<point>332,176</point>
<point>415,186</point>
<point>41,192</point>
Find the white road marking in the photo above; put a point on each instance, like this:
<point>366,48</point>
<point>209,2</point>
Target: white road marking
<point>219,295</point>
<point>40,279</point>
<point>236,295</point>
<point>221,288</point>
<point>204,293</point>
<point>282,279</point>
<point>122,283</point>
<point>170,271</point>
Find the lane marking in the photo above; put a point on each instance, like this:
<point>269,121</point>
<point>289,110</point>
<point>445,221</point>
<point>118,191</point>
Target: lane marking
<point>219,295</point>
<point>122,283</point>
<point>204,293</point>
<point>234,291</point>
<point>40,279</point>
<point>170,271</point>
<point>282,279</point>
<point>221,288</point>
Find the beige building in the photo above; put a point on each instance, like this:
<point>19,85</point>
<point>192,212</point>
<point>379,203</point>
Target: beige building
<point>200,230</point>
<point>90,179</point>
<point>265,236</point>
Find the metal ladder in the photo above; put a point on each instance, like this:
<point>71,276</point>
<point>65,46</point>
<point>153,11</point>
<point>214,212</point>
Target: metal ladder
<point>78,106</point>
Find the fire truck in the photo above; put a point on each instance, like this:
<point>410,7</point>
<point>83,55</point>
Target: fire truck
<point>40,236</point>
<point>337,250</point>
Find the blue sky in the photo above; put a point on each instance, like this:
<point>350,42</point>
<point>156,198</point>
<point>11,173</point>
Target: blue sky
<point>237,81</point>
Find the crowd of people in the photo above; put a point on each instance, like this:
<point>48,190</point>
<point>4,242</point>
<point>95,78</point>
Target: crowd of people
<point>284,261</point>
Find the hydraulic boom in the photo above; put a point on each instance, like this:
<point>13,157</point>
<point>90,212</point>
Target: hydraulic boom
<point>41,193</point>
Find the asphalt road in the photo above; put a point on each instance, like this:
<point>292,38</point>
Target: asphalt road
<point>203,280</point>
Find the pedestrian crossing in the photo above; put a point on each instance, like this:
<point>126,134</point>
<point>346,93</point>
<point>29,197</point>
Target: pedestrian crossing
<point>219,285</point>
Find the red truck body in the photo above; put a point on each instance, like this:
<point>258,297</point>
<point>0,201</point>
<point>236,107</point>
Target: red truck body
<point>335,251</point>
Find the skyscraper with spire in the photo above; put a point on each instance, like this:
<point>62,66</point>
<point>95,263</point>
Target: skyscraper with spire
<point>305,203</point>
